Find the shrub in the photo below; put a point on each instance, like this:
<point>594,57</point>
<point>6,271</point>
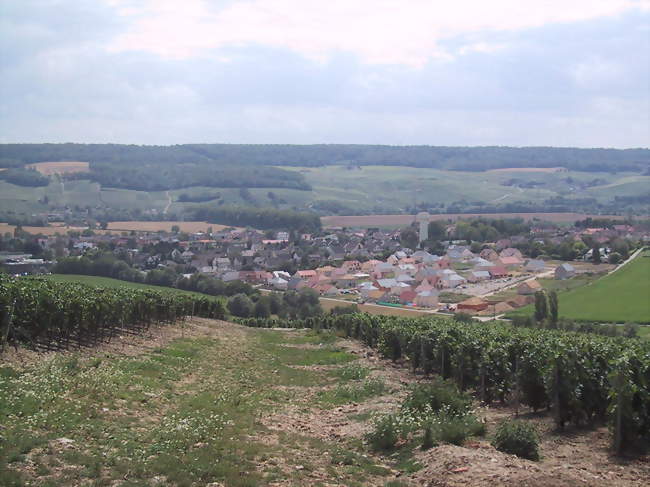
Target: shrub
<point>454,429</point>
<point>517,438</point>
<point>385,433</point>
<point>240,305</point>
<point>437,395</point>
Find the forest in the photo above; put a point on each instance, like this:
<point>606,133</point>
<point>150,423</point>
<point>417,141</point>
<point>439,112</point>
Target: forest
<point>452,158</point>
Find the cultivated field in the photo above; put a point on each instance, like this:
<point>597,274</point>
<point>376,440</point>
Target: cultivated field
<point>405,220</point>
<point>53,230</point>
<point>49,168</point>
<point>147,226</point>
<point>218,404</point>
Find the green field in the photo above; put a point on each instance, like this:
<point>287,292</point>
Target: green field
<point>108,282</point>
<point>338,189</point>
<point>623,296</point>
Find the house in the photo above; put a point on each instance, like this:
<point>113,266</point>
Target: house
<point>477,276</point>
<point>308,274</point>
<point>296,283</point>
<point>564,271</point>
<point>427,299</point>
<point>498,271</point>
<point>230,276</point>
<point>473,304</point>
<point>529,287</point>
<point>451,281</point>
<point>510,262</point>
<point>534,265</point>
<point>510,252</point>
<point>345,281</point>
<point>489,254</point>
<point>278,283</point>
<point>352,266</point>
<point>407,296</point>
<point>424,286</point>
<point>386,284</point>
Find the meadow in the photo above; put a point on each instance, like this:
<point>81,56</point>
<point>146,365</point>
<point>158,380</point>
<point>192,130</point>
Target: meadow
<point>622,296</point>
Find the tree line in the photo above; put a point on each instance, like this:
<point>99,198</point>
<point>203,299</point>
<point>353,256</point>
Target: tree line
<point>452,158</point>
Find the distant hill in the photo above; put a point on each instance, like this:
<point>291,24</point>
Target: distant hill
<point>451,158</point>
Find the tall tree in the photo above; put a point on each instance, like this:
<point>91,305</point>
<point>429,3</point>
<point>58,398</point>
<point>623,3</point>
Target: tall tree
<point>595,254</point>
<point>553,308</point>
<point>541,308</point>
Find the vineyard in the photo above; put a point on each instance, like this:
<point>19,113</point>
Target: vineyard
<point>50,315</point>
<point>583,379</point>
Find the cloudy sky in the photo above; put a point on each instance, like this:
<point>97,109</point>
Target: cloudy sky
<point>435,72</point>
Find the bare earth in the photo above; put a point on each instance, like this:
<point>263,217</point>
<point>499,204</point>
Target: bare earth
<point>65,167</point>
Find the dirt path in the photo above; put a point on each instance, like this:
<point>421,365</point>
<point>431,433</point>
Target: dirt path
<point>169,202</point>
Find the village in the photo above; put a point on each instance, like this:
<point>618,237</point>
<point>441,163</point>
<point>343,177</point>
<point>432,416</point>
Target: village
<point>353,265</point>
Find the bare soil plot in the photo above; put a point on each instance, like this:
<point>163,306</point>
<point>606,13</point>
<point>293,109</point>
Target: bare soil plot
<point>65,167</point>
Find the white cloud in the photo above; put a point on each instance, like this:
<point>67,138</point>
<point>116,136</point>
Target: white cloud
<point>406,32</point>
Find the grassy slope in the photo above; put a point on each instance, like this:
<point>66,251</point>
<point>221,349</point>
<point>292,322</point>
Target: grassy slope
<point>383,189</point>
<point>108,282</point>
<point>619,297</point>
<point>188,412</point>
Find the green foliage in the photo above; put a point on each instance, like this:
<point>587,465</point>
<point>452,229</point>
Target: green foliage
<point>553,308</point>
<point>614,258</point>
<point>355,392</point>
<point>568,371</point>
<point>437,395</point>
<point>261,218</point>
<point>456,158</point>
<point>541,306</point>
<point>385,433</point>
<point>517,438</point>
<point>24,177</point>
<point>240,305</point>
<point>41,312</point>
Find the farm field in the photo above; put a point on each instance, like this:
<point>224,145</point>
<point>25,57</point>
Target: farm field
<point>390,189</point>
<point>380,190</point>
<point>218,402</point>
<point>116,283</point>
<point>52,230</point>
<point>49,168</point>
<point>622,296</point>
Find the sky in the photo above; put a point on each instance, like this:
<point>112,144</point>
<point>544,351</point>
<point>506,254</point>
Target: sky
<point>399,72</point>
